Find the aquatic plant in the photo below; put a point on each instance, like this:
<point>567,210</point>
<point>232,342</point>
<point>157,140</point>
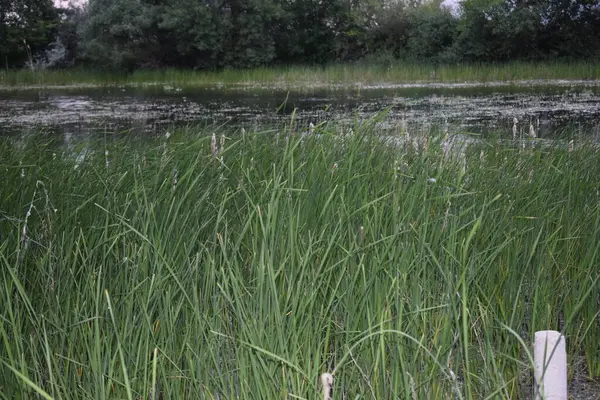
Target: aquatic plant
<point>300,77</point>
<point>404,274</point>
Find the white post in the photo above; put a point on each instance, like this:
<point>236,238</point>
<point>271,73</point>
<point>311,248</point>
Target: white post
<point>550,358</point>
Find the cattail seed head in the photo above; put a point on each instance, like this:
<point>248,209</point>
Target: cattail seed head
<point>326,381</point>
<point>446,146</point>
<point>530,180</point>
<point>213,145</point>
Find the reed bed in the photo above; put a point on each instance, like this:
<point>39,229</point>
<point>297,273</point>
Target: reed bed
<point>226,264</point>
<point>352,74</point>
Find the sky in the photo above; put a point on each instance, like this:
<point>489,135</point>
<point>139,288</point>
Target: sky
<point>63,3</point>
<point>453,4</point>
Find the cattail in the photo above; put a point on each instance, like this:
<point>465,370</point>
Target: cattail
<point>413,390</point>
<point>446,146</point>
<point>445,126</point>
<point>24,237</point>
<point>24,231</point>
<point>222,148</point>
<point>361,233</point>
<point>425,144</point>
<point>213,145</point>
<point>456,387</point>
<point>530,180</point>
<point>335,165</point>
<point>406,134</point>
<point>481,156</point>
<point>175,180</point>
<point>327,385</point>
<point>446,215</point>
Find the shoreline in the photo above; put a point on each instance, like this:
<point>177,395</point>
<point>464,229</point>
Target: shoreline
<point>301,86</point>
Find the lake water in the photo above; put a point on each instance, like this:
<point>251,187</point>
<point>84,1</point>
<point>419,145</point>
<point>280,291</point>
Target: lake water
<point>153,109</point>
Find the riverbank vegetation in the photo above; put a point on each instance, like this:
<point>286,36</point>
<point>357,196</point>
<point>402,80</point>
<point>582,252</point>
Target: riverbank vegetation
<point>221,263</point>
<point>128,35</point>
<point>299,77</point>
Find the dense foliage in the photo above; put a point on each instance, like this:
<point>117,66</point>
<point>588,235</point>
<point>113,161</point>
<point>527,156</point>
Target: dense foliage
<point>242,265</point>
<point>26,28</point>
<point>200,34</point>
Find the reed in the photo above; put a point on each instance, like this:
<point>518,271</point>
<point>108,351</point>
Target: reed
<point>407,274</point>
<point>294,77</point>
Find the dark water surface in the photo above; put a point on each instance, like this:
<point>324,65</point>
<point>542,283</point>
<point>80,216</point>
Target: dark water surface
<point>156,108</point>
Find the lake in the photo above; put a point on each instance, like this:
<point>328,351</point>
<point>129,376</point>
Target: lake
<point>550,108</point>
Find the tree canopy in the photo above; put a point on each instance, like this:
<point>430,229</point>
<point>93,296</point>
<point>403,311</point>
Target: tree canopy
<point>26,28</point>
<point>132,34</point>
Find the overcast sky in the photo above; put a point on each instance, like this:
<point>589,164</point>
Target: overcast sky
<point>451,3</point>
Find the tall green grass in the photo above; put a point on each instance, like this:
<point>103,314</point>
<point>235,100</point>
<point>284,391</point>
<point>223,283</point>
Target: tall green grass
<point>300,76</point>
<point>156,267</point>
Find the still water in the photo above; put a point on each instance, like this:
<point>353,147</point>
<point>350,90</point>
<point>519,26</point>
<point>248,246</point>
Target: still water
<point>87,111</point>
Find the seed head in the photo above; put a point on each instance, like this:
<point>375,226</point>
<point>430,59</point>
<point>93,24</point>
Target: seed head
<point>327,384</point>
<point>213,145</point>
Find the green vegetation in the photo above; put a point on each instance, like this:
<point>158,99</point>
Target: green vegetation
<point>348,75</point>
<point>128,35</point>
<point>133,267</point>
<point>26,29</point>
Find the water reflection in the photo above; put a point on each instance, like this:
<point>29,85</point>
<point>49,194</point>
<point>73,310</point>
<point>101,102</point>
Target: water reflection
<point>152,110</point>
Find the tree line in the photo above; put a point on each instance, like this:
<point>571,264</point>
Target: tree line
<point>210,34</point>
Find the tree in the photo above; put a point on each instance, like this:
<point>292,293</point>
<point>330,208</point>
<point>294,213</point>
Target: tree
<point>121,34</point>
<point>503,30</point>
<point>252,26</point>
<point>391,31</point>
<point>476,40</point>
<point>196,32</point>
<point>432,33</point>
<point>26,28</point>
<point>571,29</point>
<point>310,30</point>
